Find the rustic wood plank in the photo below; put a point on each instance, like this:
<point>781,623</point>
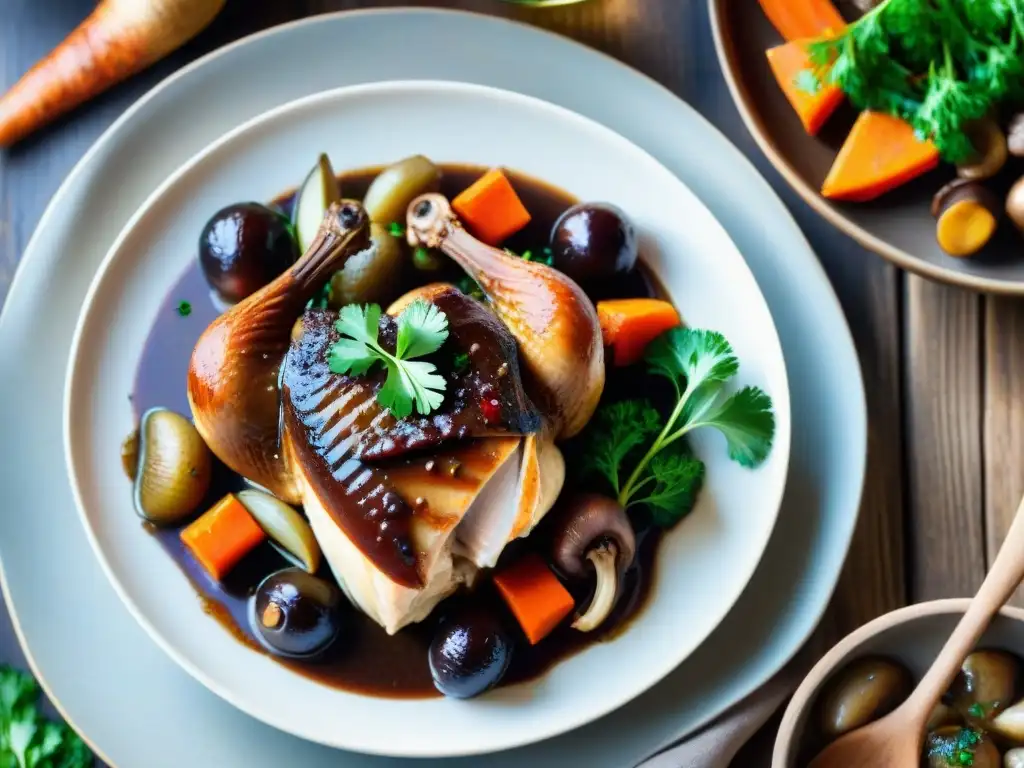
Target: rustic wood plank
<point>1004,420</point>
<point>873,579</point>
<point>944,459</point>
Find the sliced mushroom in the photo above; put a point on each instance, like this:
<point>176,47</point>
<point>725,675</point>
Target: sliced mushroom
<point>1015,135</point>
<point>1015,203</point>
<point>967,215</point>
<point>287,529</point>
<point>594,529</point>
<point>990,145</point>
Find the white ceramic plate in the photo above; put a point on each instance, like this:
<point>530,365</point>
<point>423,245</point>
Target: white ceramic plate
<point>133,704</point>
<point>680,240</point>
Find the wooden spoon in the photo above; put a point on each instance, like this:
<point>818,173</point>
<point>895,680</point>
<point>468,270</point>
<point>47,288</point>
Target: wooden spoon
<point>895,740</point>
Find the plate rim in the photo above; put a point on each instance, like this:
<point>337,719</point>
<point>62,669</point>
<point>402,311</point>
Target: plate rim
<point>842,538</point>
<point>725,50</point>
<point>265,121</point>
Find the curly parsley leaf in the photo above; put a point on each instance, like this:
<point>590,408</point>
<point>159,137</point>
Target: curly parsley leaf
<point>27,739</point>
<point>410,384</point>
<point>614,433</point>
<point>666,477</point>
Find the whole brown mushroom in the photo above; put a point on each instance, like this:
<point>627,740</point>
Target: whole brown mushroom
<point>863,692</point>
<point>594,528</point>
<point>967,214</point>
<point>1014,758</point>
<point>986,684</point>
<point>1015,203</point>
<point>990,145</point>
<point>956,745</point>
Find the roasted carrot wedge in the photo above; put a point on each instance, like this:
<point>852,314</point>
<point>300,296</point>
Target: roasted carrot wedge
<point>490,208</point>
<point>881,153</point>
<point>535,596</point>
<point>222,536</point>
<point>787,62</point>
<point>629,325</point>
<point>797,19</point>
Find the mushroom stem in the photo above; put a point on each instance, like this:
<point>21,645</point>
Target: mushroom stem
<point>605,591</point>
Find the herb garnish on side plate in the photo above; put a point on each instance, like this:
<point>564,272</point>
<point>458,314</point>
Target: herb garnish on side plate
<point>27,739</point>
<point>666,477</point>
<point>938,64</point>
<point>422,329</point>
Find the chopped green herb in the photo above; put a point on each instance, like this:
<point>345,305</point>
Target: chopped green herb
<point>976,710</point>
<point>939,65</point>
<point>470,287</point>
<point>667,477</point>
<point>955,751</point>
<point>807,81</point>
<point>422,329</point>
<point>460,362</point>
<point>184,309</point>
<point>323,299</point>
<point>396,229</point>
<point>27,739</point>
<point>426,260</point>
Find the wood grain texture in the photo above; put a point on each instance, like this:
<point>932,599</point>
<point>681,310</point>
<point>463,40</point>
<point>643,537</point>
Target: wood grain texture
<point>944,458</point>
<point>1004,419</point>
<point>670,41</point>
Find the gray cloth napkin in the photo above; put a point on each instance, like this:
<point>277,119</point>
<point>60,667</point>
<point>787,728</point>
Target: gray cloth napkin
<point>716,744</point>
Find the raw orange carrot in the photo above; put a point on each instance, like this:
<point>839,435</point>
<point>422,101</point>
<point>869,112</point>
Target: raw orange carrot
<point>629,325</point>
<point>535,595</point>
<point>490,208</point>
<point>880,153</point>
<point>222,536</point>
<point>120,38</point>
<point>797,19</point>
<point>787,61</point>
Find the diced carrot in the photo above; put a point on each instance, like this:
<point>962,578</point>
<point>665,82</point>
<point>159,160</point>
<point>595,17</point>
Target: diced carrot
<point>880,153</point>
<point>535,596</point>
<point>797,19</point>
<point>490,208</point>
<point>222,536</point>
<point>787,61</point>
<point>629,325</point>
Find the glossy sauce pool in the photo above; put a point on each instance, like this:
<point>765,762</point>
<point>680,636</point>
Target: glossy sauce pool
<point>366,659</point>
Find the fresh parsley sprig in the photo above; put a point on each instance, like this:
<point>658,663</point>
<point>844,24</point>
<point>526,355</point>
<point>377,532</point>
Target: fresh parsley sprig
<point>938,64</point>
<point>410,384</point>
<point>27,739</point>
<point>665,476</point>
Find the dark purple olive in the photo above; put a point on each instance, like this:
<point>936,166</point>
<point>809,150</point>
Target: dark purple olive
<point>469,654</point>
<point>592,242</point>
<point>295,614</point>
<point>243,247</point>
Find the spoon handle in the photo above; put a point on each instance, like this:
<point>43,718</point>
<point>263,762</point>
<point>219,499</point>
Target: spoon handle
<point>1003,578</point>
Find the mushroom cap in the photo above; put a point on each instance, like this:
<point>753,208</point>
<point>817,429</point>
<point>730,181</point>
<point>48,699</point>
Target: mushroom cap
<point>583,523</point>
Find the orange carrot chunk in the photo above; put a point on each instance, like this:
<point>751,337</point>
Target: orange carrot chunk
<point>535,596</point>
<point>490,208</point>
<point>880,153</point>
<point>796,19</point>
<point>787,62</point>
<point>629,325</point>
<point>222,536</point>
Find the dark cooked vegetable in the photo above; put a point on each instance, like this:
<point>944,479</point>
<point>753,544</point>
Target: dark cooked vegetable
<point>372,276</point>
<point>586,521</point>
<point>1015,203</point>
<point>398,185</point>
<point>469,654</point>
<point>594,528</point>
<point>296,614</point>
<point>990,150</point>
<point>173,468</point>
<point>953,745</point>
<point>1015,135</point>
<point>967,214</point>
<point>592,242</point>
<point>862,692</point>
<point>987,679</point>
<point>27,738</point>
<point>244,247</point>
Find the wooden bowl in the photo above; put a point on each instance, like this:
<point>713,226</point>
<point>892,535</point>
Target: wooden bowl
<point>899,225</point>
<point>911,636</point>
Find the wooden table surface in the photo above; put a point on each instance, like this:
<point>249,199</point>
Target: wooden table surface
<point>946,444</point>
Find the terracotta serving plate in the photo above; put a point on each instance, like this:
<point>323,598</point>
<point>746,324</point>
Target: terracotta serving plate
<point>898,225</point>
